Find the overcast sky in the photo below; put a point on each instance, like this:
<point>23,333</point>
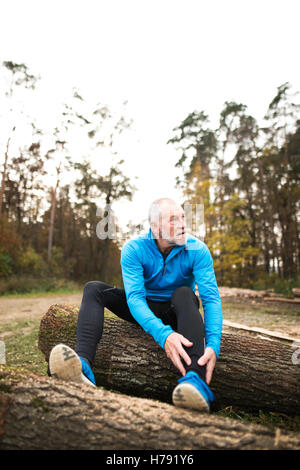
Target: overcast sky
<point>167,58</point>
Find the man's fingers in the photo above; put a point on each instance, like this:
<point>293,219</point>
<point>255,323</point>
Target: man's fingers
<point>209,370</point>
<point>176,359</point>
<point>176,352</point>
<point>182,351</point>
<point>185,356</point>
<point>186,342</point>
<point>208,358</point>
<point>177,363</point>
<point>208,378</point>
<point>203,360</point>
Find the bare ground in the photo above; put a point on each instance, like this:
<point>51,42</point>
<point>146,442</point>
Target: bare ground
<point>276,316</point>
<point>15,309</point>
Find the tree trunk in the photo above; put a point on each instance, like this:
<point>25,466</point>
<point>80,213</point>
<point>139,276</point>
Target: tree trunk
<point>52,214</point>
<point>41,413</point>
<point>2,188</point>
<point>251,373</point>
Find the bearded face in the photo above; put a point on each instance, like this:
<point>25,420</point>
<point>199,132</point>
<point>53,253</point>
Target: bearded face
<point>170,224</point>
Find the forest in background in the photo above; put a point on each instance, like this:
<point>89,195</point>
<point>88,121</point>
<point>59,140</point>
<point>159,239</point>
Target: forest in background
<point>247,177</point>
<point>244,173</point>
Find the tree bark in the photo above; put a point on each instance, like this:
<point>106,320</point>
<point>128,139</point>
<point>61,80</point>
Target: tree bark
<point>42,413</point>
<point>251,373</point>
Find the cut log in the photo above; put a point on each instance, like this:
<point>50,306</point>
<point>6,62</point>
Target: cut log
<point>239,292</point>
<point>42,413</point>
<point>259,332</point>
<point>296,292</point>
<point>268,294</point>
<point>251,373</point>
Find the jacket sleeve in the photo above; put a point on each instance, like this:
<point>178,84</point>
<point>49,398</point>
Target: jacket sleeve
<point>133,279</point>
<point>209,293</point>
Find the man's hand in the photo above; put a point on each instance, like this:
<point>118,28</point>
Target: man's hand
<point>174,350</point>
<point>209,358</point>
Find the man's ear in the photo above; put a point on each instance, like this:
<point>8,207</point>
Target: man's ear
<point>156,230</point>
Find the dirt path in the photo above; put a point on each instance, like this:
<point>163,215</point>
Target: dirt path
<point>30,308</point>
<point>283,318</point>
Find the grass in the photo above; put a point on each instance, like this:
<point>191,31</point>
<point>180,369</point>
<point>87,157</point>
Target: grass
<point>27,285</point>
<point>21,346</point>
<point>270,419</point>
<point>42,293</point>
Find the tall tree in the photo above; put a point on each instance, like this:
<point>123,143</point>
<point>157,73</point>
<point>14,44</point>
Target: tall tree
<point>24,186</point>
<point>105,129</point>
<point>250,185</point>
<point>282,118</point>
<point>197,145</point>
<point>115,186</point>
<point>18,76</point>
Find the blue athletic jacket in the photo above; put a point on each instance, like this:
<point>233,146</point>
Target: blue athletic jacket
<point>146,274</point>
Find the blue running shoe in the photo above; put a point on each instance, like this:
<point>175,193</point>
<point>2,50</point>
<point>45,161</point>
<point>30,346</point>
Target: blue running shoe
<point>65,364</point>
<point>192,392</point>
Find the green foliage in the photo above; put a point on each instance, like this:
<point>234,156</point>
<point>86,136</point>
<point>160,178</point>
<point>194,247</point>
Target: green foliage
<point>20,74</point>
<point>56,265</point>
<point>21,346</point>
<point>27,284</point>
<point>30,262</point>
<point>270,419</point>
<point>10,244</point>
<point>230,245</point>
<point>197,144</point>
<point>275,282</point>
<point>6,264</point>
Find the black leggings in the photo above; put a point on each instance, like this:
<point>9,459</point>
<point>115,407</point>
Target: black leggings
<point>181,312</point>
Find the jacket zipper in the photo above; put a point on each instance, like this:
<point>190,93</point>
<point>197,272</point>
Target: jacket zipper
<point>165,264</point>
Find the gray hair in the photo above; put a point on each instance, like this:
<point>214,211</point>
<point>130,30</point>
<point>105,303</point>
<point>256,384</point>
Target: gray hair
<point>155,210</point>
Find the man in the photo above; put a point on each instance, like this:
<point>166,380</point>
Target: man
<point>159,272</point>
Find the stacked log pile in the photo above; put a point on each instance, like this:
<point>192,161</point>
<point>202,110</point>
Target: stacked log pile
<point>133,411</point>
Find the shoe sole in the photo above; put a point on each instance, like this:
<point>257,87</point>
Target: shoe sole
<point>65,364</point>
<point>186,395</point>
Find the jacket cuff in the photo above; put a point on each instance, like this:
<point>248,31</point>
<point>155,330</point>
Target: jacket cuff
<point>167,331</point>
